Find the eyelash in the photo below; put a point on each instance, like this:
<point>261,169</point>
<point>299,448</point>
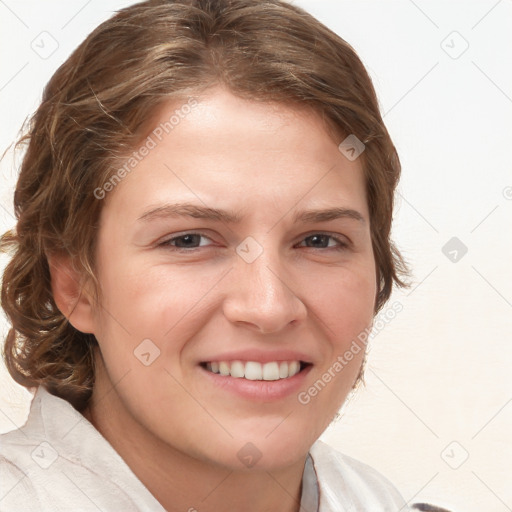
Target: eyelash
<point>342,245</point>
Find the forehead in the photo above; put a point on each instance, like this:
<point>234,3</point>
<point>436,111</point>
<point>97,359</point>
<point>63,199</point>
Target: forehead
<point>225,151</point>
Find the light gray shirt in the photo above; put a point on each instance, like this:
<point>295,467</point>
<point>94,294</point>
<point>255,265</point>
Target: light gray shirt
<point>58,462</point>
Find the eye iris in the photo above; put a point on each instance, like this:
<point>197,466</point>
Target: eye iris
<point>189,240</point>
<point>322,239</point>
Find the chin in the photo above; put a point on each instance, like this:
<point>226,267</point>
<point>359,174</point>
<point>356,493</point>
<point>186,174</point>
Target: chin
<point>267,450</point>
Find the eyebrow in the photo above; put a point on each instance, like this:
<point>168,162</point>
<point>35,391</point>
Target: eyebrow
<point>214,214</point>
<point>311,216</point>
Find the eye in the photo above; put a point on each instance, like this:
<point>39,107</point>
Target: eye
<point>189,241</point>
<point>185,241</point>
<point>324,241</point>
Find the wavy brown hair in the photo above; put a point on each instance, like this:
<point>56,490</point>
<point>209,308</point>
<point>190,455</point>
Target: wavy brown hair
<point>92,113</point>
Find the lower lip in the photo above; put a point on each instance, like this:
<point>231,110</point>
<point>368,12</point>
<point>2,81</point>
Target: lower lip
<point>259,390</point>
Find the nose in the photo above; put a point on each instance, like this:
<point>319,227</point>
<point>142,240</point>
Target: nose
<point>261,295</point>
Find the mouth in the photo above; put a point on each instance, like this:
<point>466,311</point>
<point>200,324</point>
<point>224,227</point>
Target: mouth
<point>256,371</point>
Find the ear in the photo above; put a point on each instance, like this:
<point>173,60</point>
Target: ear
<point>71,297</point>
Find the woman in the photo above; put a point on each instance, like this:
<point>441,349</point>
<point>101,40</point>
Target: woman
<point>203,240</point>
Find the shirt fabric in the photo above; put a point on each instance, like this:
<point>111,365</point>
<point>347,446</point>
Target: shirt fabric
<point>58,462</point>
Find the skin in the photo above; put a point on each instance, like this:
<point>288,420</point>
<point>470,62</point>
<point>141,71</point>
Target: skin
<point>266,163</point>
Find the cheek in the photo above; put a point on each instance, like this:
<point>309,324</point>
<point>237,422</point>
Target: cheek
<point>346,303</point>
<point>156,302</point>
<point>343,306</point>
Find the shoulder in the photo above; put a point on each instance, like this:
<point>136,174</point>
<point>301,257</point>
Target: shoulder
<point>16,490</point>
<point>348,481</point>
<point>58,458</point>
<point>18,449</point>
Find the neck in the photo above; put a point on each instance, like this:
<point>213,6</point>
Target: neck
<point>180,482</point>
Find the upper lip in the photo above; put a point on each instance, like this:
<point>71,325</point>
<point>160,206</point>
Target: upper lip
<point>260,356</point>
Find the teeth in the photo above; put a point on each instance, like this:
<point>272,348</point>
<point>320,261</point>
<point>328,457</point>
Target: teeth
<point>270,371</point>
<point>293,368</point>
<point>224,368</point>
<point>237,369</point>
<point>252,370</point>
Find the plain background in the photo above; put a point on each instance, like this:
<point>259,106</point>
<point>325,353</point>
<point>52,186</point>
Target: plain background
<point>436,413</point>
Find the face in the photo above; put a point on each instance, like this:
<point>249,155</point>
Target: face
<point>240,244</point>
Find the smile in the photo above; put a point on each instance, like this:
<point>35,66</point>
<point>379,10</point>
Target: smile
<point>253,370</point>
